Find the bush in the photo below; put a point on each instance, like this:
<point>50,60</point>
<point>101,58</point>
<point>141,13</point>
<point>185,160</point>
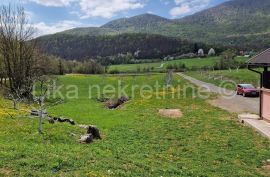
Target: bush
<point>227,61</point>
<point>89,67</point>
<point>177,67</point>
<point>114,71</point>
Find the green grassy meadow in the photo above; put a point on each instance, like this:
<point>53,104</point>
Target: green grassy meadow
<point>156,67</point>
<point>226,78</point>
<point>206,141</point>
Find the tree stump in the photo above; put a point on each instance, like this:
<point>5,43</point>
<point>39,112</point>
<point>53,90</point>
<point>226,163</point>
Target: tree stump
<point>94,131</point>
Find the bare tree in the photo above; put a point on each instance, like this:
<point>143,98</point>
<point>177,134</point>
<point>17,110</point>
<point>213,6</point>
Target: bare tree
<point>17,48</point>
<point>44,86</point>
<point>169,78</point>
<point>16,97</point>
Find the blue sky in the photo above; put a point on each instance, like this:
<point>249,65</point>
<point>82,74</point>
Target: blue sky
<point>51,16</point>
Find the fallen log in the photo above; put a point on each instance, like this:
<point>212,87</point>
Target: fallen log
<point>62,120</point>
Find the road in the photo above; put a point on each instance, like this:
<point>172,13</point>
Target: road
<point>227,100</point>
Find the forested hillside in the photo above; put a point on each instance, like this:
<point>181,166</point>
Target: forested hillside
<point>243,24</point>
<point>145,23</point>
<point>229,24</point>
<point>141,45</point>
<point>90,31</point>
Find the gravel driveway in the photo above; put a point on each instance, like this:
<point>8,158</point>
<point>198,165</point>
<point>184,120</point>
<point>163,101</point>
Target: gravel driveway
<point>228,100</point>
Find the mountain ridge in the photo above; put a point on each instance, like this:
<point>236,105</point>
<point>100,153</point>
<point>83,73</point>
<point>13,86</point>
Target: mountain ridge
<point>243,24</point>
<point>216,25</point>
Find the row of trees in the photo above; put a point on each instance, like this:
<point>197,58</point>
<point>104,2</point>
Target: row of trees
<point>228,61</point>
<point>180,67</point>
<point>51,65</point>
<point>121,58</point>
<point>130,58</point>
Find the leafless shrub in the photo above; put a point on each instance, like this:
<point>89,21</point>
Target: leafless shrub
<point>17,49</point>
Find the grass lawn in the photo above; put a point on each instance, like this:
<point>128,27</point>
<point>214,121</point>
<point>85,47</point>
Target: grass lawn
<point>218,77</point>
<point>190,63</point>
<point>206,141</point>
<point>134,67</point>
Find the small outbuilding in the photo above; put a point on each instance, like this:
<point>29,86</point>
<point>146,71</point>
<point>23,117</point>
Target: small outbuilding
<point>260,64</point>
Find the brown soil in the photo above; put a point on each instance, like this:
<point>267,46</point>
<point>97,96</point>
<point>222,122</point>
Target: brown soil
<point>171,113</point>
<point>5,172</point>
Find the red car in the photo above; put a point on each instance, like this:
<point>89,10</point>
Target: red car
<point>247,90</point>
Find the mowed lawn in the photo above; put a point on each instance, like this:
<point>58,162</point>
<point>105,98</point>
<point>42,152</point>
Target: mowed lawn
<point>206,141</point>
<point>161,66</point>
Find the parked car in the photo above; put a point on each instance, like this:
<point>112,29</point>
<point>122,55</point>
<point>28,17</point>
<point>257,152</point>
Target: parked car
<point>247,90</point>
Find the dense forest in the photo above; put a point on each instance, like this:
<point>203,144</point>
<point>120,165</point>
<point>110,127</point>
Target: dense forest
<point>141,46</point>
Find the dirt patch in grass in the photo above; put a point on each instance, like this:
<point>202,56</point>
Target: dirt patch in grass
<point>171,113</point>
<point>110,104</point>
<point>265,168</point>
<point>5,171</point>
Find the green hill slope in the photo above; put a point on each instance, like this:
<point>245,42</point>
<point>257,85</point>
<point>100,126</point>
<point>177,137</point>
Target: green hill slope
<point>90,31</point>
<point>146,45</point>
<point>230,23</point>
<point>244,24</point>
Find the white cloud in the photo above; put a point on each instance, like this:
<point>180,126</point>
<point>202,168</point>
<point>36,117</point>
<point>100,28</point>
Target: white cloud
<point>54,3</point>
<point>107,8</point>
<point>43,28</point>
<point>95,8</point>
<point>76,13</point>
<point>186,7</point>
<point>166,2</point>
